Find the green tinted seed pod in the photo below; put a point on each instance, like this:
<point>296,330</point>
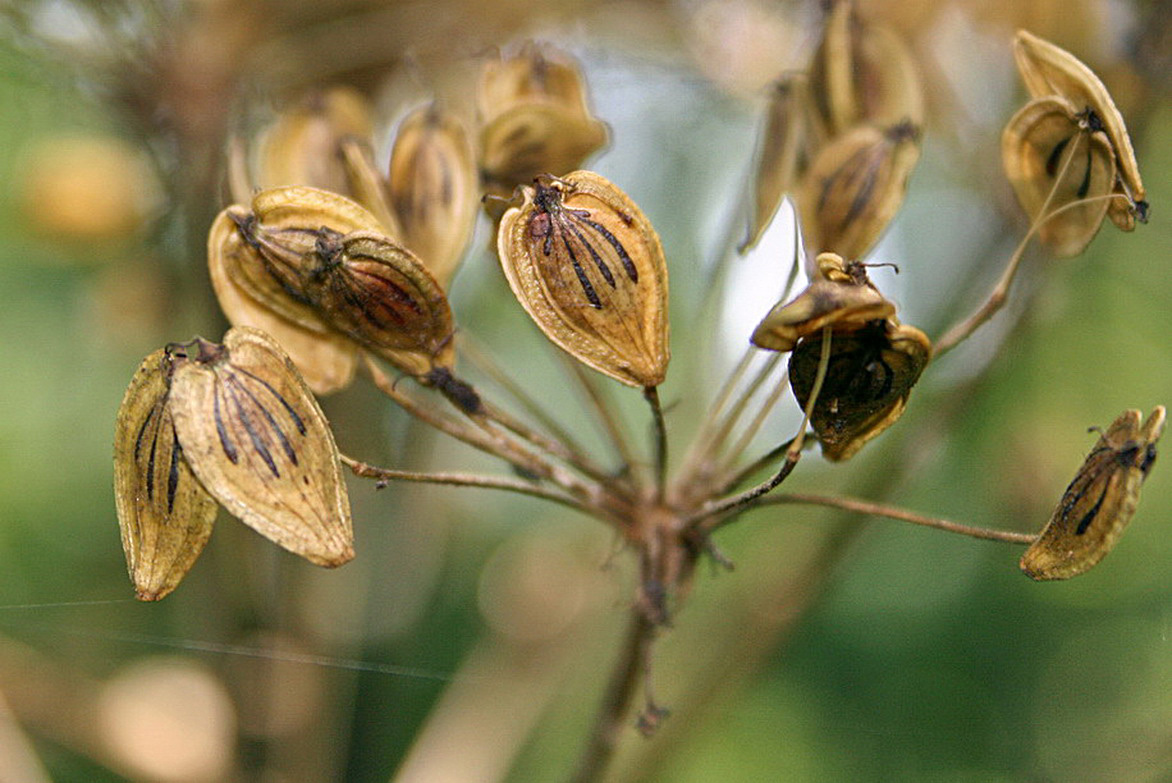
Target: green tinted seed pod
<point>587,266</point>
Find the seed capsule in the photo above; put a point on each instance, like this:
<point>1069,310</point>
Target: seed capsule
<point>854,187</point>
<point>1099,502</point>
<point>840,295</point>
<point>870,374</point>
<point>1049,70</point>
<point>257,441</point>
<point>1056,159</point>
<point>164,513</point>
<point>588,267</point>
<point>434,188</point>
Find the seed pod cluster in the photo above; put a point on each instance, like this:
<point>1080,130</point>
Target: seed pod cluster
<point>587,266</point>
<point>1100,501</point>
<point>233,424</point>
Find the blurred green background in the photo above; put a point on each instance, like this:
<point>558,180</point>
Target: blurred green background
<point>471,637</point>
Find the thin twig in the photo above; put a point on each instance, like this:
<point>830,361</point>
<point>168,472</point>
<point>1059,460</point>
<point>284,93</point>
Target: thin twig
<point>742,443</point>
<point>604,413</point>
<point>651,394</point>
<point>716,440</point>
<point>698,449</point>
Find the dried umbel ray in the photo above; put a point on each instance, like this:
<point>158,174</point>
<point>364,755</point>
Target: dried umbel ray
<point>234,424</point>
<point>840,295</point>
<point>587,266</point>
<point>871,372</point>
<point>1099,502</point>
<point>434,188</point>
<point>855,185</point>
<point>862,73</point>
<point>1059,159</point>
<point>1049,70</point>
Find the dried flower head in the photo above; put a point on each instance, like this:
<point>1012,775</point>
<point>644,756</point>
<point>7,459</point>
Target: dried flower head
<point>588,267</point>
<point>1099,502</point>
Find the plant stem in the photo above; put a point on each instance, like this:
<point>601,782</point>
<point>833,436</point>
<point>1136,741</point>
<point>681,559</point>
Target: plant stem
<point>604,413</point>
<point>651,394</point>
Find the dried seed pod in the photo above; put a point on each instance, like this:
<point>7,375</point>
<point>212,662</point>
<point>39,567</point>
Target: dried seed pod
<point>588,267</point>
<point>1099,502</point>
<point>164,513</point>
<point>434,188</point>
<point>367,185</point>
<point>302,147</point>
<point>840,295</point>
<point>1057,159</point>
<point>536,72</point>
<point>258,442</point>
<point>783,151</point>
<point>854,187</point>
<point>871,372</point>
<point>379,294</point>
<point>1049,70</point>
<point>863,73</point>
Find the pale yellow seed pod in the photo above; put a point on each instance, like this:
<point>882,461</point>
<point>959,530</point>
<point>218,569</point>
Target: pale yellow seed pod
<point>164,513</point>
<point>854,187</point>
<point>587,266</point>
<point>1049,70</point>
<point>256,439</point>
<point>434,188</point>
<point>1056,161</point>
<point>367,185</point>
<point>536,72</point>
<point>1099,502</point>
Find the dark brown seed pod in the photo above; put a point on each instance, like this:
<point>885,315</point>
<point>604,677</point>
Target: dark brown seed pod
<point>257,441</point>
<point>871,373</point>
<point>1099,502</point>
<point>164,513</point>
<point>840,295</point>
<point>587,266</point>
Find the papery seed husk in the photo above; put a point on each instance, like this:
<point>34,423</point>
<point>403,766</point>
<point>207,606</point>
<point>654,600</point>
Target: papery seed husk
<point>783,150</point>
<point>835,297</point>
<point>435,188</point>
<point>871,372</point>
<point>367,185</point>
<point>379,294</point>
<point>534,138</point>
<point>1049,70</point>
<point>854,187</point>
<point>302,147</point>
<point>535,73</point>
<point>1100,501</point>
<point>164,514</point>
<point>587,266</point>
<point>1034,147</point>
<point>258,442</point>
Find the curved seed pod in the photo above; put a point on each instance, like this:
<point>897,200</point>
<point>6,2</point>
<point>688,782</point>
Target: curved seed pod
<point>863,73</point>
<point>1099,502</point>
<point>367,185</point>
<point>258,442</point>
<point>871,372</point>
<point>854,187</point>
<point>380,295</point>
<point>302,147</point>
<point>535,73</point>
<point>326,360</point>
<point>434,188</point>
<point>1043,140</point>
<point>1049,70</point>
<point>164,513</point>
<point>535,137</point>
<point>587,266</point>
<point>783,151</point>
<point>840,295</point>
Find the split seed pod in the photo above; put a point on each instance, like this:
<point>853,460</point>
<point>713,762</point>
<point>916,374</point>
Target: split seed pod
<point>1044,140</point>
<point>1049,70</point>
<point>434,188</point>
<point>870,374</point>
<point>840,295</point>
<point>854,187</point>
<point>1099,502</point>
<point>863,73</point>
<point>587,266</point>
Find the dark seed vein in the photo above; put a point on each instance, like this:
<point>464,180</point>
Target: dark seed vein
<point>587,288</point>
<point>614,242</point>
<point>257,442</point>
<point>276,427</point>
<point>222,431</point>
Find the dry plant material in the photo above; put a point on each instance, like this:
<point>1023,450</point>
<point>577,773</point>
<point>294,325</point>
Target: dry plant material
<point>840,295</point>
<point>535,118</point>
<point>234,424</point>
<point>434,188</point>
<point>871,372</point>
<point>1099,502</point>
<point>587,266</point>
<point>1049,70</point>
<point>854,187</point>
<point>1056,158</point>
